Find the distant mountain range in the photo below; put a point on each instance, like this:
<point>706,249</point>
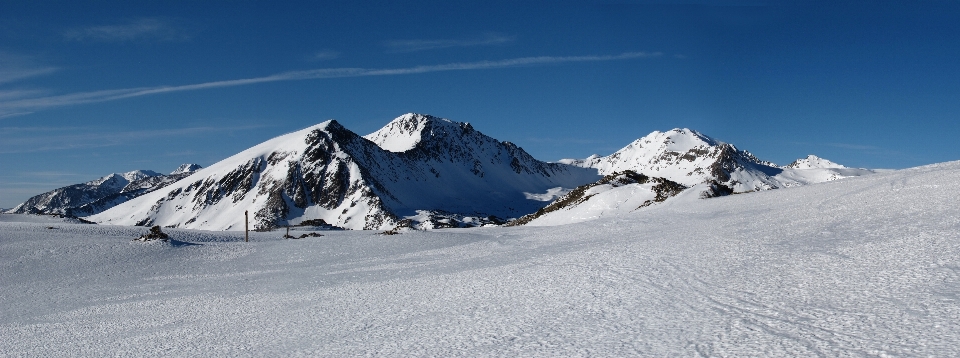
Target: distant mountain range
<point>95,196</point>
<point>424,172</point>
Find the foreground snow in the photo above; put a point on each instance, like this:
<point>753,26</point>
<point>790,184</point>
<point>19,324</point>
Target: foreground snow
<point>860,266</point>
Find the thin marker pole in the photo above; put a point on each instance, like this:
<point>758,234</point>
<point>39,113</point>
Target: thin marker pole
<point>246,225</point>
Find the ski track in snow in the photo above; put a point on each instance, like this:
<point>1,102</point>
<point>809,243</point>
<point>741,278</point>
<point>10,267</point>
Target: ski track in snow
<point>865,266</point>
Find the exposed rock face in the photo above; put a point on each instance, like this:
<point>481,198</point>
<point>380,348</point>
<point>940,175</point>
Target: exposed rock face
<point>98,195</point>
<point>154,234</point>
<point>415,164</point>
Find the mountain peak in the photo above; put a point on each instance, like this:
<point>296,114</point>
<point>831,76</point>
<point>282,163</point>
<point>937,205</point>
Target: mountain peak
<point>679,139</point>
<point>405,132</point>
<point>813,161</point>
<point>416,164</point>
<point>186,168</point>
<point>124,178</point>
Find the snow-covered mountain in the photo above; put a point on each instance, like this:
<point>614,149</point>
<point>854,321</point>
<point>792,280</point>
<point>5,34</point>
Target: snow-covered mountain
<point>416,167</point>
<point>813,162</point>
<point>98,195</point>
<point>186,168</point>
<point>425,172</point>
<point>702,165</point>
<point>690,158</point>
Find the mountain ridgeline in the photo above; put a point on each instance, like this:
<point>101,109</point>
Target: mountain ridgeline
<point>417,166</point>
<point>424,172</point>
<point>95,196</point>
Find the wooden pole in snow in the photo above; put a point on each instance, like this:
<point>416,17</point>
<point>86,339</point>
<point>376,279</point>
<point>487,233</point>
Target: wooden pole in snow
<point>246,225</point>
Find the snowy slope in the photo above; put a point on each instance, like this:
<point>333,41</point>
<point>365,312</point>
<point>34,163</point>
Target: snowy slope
<point>858,267</point>
<point>98,195</point>
<point>328,172</point>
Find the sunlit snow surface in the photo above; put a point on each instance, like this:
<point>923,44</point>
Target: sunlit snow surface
<point>866,266</point>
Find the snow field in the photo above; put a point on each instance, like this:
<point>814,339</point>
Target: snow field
<point>866,266</point>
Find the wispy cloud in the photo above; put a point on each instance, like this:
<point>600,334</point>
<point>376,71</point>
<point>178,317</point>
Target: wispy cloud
<point>14,67</point>
<point>421,45</point>
<point>11,75</point>
<point>16,94</point>
<point>13,114</point>
<point>149,28</point>
<point>44,139</point>
<point>20,105</point>
<point>324,55</point>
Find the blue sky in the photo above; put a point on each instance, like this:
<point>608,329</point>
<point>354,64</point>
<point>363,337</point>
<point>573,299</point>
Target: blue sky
<point>92,88</point>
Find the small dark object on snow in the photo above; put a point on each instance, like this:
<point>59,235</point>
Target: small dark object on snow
<point>312,234</point>
<point>155,234</point>
<point>313,222</point>
<point>50,228</point>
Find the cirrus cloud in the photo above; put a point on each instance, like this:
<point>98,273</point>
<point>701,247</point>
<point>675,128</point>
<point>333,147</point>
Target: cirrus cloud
<point>148,28</point>
<point>37,103</point>
<point>421,44</point>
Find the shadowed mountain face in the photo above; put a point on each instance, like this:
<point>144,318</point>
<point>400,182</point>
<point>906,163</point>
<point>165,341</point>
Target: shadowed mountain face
<point>414,167</point>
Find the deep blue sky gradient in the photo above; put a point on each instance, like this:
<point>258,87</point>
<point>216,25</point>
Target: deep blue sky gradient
<point>865,84</point>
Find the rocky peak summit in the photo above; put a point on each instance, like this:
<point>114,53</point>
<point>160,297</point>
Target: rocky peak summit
<point>186,168</point>
<point>813,161</point>
<point>409,130</point>
<point>687,157</point>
